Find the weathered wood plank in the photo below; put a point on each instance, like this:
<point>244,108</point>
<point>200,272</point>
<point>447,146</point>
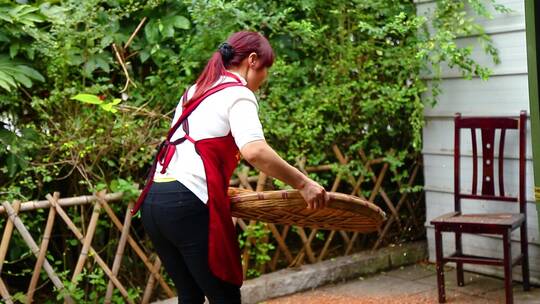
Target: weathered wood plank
<point>500,22</point>
<point>512,49</point>
<point>500,96</point>
<point>439,174</point>
<point>439,139</point>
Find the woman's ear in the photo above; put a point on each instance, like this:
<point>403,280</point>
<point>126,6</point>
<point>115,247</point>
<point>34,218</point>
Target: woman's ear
<point>252,60</point>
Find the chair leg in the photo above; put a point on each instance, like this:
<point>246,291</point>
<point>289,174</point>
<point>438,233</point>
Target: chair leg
<point>508,266</point>
<point>459,265</point>
<point>439,265</point>
<point>525,257</point>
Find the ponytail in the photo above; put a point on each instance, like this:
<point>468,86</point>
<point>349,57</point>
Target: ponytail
<point>231,54</point>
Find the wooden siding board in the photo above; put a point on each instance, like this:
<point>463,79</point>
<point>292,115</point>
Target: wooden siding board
<point>499,23</point>
<point>438,140</point>
<point>499,96</point>
<point>512,53</point>
<point>439,174</point>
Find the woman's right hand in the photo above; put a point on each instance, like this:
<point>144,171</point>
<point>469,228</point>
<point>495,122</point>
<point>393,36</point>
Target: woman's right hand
<point>263,157</point>
<point>314,194</point>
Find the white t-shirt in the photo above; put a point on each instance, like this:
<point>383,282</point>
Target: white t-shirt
<point>232,109</point>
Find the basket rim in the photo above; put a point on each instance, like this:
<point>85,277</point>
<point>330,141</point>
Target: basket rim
<point>291,194</point>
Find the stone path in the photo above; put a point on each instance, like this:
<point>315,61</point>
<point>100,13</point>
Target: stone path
<point>413,284</point>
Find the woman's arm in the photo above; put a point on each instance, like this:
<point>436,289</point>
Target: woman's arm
<point>259,154</point>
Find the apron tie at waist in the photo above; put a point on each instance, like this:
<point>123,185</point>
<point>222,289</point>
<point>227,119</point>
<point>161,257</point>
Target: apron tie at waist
<point>167,151</point>
<point>189,138</point>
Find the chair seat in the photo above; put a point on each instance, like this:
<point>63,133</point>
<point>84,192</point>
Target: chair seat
<point>506,220</point>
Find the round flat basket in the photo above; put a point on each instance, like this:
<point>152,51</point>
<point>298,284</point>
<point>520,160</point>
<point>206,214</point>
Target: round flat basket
<point>343,212</point>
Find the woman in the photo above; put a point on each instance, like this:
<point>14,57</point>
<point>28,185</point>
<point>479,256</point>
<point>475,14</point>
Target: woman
<point>186,209</point>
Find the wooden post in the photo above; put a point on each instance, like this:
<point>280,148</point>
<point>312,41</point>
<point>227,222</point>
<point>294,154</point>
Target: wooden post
<point>5,293</point>
<point>307,244</point>
<point>87,242</point>
<point>260,187</point>
<point>281,242</point>
<point>119,251</point>
<point>326,245</point>
<point>280,239</point>
<point>532,28</point>
<point>243,177</point>
<point>6,237</point>
<point>42,253</point>
<point>151,281</point>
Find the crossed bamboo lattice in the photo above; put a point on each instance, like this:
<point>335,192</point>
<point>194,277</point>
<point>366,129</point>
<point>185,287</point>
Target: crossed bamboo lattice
<point>56,207</point>
<point>280,235</point>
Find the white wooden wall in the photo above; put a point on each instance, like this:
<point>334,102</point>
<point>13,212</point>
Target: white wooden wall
<point>504,94</point>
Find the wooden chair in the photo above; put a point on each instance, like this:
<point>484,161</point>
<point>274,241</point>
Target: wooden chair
<point>493,223</point>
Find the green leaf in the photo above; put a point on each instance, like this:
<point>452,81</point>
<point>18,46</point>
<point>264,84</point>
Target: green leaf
<point>30,72</point>
<point>109,107</point>
<point>13,50</point>
<point>106,41</point>
<point>11,162</point>
<point>181,22</point>
<point>116,101</point>
<point>3,36</point>
<point>30,134</point>
<point>101,62</point>
<point>6,81</point>
<point>22,79</point>
<point>89,67</point>
<point>144,55</point>
<point>88,98</point>
<point>7,137</point>
<point>151,31</point>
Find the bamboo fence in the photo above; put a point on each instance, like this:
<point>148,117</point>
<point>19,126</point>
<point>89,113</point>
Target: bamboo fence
<point>293,244</point>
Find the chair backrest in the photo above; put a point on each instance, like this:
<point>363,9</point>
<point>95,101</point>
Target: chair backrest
<point>487,127</point>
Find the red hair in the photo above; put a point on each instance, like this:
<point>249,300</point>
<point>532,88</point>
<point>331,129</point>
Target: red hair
<point>243,44</point>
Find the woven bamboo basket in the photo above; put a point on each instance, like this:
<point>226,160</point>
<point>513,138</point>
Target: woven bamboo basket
<point>343,212</point>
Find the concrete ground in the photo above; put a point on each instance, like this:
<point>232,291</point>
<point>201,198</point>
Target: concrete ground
<point>412,284</point>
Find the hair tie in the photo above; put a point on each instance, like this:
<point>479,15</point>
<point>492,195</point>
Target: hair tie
<point>226,51</point>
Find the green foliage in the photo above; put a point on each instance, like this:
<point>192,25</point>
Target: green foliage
<point>255,239</point>
<point>96,294</point>
<point>17,23</point>
<point>13,73</point>
<point>93,99</point>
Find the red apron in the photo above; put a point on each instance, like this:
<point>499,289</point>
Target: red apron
<point>220,158</point>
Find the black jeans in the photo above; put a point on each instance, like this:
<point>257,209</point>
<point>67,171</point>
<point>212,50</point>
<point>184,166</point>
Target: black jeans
<point>177,222</point>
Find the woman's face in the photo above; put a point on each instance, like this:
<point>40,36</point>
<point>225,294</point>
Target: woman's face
<point>255,77</point>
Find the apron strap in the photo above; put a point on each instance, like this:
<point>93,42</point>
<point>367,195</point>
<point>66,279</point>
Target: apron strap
<point>195,103</point>
<point>185,124</point>
<point>167,148</point>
